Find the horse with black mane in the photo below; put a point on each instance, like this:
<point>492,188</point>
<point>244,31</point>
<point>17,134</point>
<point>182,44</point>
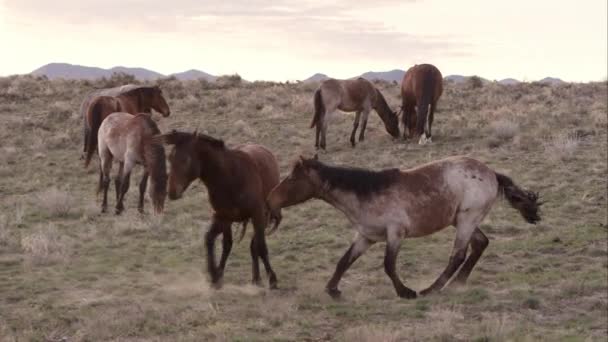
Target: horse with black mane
<point>237,181</point>
<point>394,204</point>
<point>421,87</point>
<point>358,95</point>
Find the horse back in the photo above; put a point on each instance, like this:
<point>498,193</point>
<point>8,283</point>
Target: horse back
<point>264,162</point>
<point>420,81</point>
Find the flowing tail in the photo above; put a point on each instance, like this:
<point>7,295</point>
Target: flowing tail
<point>319,108</point>
<point>90,145</point>
<point>276,217</point>
<point>154,160</point>
<point>523,200</point>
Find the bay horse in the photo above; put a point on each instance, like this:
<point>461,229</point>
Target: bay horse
<point>394,204</point>
<point>130,140</point>
<point>130,98</point>
<point>237,181</point>
<point>356,95</point>
<point>421,87</point>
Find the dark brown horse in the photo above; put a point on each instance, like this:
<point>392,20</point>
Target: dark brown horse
<point>131,140</point>
<point>358,95</point>
<point>421,87</point>
<point>133,99</point>
<point>237,181</point>
<point>394,204</point>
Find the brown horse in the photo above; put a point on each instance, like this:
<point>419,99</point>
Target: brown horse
<point>133,99</point>
<point>358,95</point>
<point>130,140</point>
<point>421,87</point>
<point>394,204</point>
<point>237,181</point>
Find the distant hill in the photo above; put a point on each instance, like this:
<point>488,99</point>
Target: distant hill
<point>551,80</point>
<point>461,79</point>
<point>318,77</point>
<point>72,71</point>
<point>509,81</point>
<point>392,75</point>
<point>193,74</point>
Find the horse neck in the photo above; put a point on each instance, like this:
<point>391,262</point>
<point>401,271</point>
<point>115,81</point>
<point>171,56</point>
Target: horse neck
<point>345,201</point>
<point>382,107</point>
<point>213,164</point>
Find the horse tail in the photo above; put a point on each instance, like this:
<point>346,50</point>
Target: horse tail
<point>526,202</point>
<point>425,104</point>
<point>276,217</point>
<point>95,115</point>
<point>243,229</point>
<point>319,108</point>
<point>154,161</point>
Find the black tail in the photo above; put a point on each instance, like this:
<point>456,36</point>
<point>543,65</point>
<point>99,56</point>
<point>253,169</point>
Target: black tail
<point>90,144</point>
<point>154,160</point>
<point>523,200</point>
<point>424,109</point>
<point>319,108</point>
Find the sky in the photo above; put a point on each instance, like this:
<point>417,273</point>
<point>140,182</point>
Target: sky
<point>291,40</point>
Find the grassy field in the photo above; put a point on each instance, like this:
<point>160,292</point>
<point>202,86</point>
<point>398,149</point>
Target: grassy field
<point>68,273</point>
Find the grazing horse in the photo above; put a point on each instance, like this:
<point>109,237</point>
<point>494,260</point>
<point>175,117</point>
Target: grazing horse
<point>237,181</point>
<point>358,96</point>
<point>130,140</point>
<point>394,204</point>
<point>421,87</point>
<point>130,98</point>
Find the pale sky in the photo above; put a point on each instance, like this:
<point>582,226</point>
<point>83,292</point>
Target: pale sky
<point>288,40</point>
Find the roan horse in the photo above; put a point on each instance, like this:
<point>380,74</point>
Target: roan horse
<point>237,181</point>
<point>421,87</point>
<point>133,99</point>
<point>130,140</point>
<point>394,204</point>
<point>358,96</point>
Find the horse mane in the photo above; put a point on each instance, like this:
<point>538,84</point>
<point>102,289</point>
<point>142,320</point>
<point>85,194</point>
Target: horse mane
<point>215,142</point>
<point>360,181</point>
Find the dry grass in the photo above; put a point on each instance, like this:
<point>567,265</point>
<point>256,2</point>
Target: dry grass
<point>69,272</point>
<point>56,202</point>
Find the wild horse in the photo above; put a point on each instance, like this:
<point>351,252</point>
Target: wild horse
<point>358,96</point>
<point>421,88</point>
<point>237,181</point>
<point>394,204</point>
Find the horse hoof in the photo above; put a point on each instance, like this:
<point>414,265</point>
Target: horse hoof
<point>407,294</point>
<point>427,291</point>
<point>273,282</point>
<point>334,293</point>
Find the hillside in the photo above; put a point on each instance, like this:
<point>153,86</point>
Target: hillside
<point>70,273</point>
<point>71,71</point>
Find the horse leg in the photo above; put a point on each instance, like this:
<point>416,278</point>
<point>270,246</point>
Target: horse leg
<point>317,133</point>
<point>364,125</point>
<point>431,117</point>
<point>259,226</point>
<point>255,266</point>
<point>464,231</point>
<point>105,166</point>
<point>216,228</point>
<point>117,180</point>
<point>393,242</point>
<point>358,247</point>
<point>479,242</point>
<point>226,247</point>
<point>125,181</point>
<point>355,126</point>
<point>324,123</point>
<point>142,191</point>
